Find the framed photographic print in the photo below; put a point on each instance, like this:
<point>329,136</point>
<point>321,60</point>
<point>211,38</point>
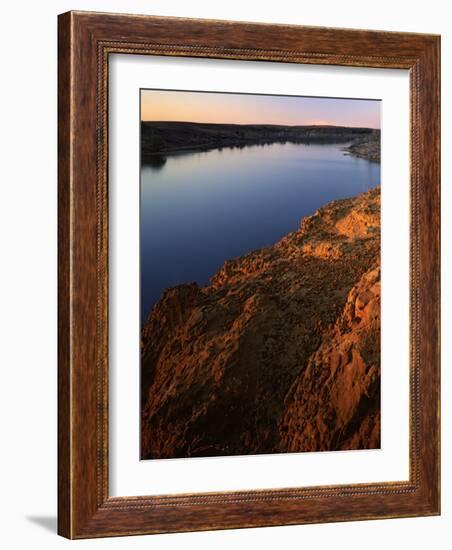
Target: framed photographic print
<point>248,275</point>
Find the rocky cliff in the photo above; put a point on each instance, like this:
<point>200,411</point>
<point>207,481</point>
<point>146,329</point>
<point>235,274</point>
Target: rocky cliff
<point>367,146</point>
<point>279,353</point>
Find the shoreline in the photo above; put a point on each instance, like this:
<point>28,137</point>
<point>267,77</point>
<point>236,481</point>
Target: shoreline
<point>160,139</point>
<point>148,158</point>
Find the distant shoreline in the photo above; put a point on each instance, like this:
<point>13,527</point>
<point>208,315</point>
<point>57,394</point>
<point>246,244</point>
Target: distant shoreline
<point>163,138</point>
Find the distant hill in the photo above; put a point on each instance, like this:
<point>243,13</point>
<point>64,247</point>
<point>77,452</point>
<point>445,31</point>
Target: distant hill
<point>167,137</point>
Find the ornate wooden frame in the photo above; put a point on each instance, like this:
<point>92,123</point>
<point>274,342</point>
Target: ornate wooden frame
<point>85,508</point>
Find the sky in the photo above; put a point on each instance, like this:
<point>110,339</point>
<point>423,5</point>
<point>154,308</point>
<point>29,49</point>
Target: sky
<point>163,105</point>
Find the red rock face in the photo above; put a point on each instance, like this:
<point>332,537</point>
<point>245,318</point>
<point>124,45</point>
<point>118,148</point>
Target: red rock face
<point>335,402</point>
<point>280,353</point>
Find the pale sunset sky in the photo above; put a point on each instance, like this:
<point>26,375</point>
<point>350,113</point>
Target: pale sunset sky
<point>163,105</point>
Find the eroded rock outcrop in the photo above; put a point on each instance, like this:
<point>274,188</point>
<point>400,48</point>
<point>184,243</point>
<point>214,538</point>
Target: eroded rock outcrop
<point>335,402</point>
<point>367,146</point>
<point>280,352</point>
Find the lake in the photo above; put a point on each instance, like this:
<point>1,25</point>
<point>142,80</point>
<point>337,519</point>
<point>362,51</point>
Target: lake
<point>199,209</point>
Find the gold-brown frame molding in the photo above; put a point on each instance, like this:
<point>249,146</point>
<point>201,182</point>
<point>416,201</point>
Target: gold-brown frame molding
<point>85,42</point>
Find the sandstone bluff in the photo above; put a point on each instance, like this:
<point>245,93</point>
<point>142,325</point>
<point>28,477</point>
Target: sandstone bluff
<point>279,353</point>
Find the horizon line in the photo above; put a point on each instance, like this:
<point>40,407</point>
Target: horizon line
<point>258,124</point>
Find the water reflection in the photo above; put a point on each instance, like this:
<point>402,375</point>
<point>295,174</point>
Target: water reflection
<point>155,162</point>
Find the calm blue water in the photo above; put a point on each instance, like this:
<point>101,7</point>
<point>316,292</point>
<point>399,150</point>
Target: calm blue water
<point>199,209</point>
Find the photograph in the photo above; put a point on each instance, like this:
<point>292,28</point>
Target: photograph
<point>259,274</point>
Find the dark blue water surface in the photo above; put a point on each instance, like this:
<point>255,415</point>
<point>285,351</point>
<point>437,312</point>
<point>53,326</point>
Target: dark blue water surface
<point>200,209</point>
